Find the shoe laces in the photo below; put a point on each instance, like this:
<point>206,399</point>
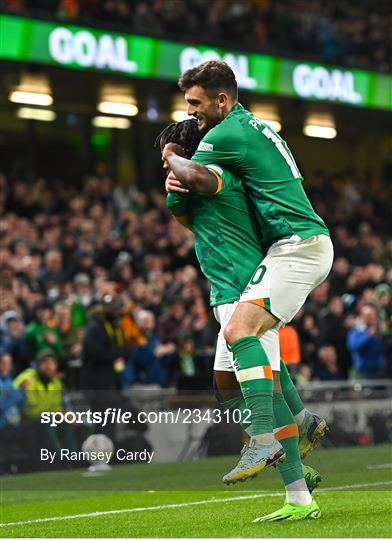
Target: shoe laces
<point>244,449</point>
<point>247,455</point>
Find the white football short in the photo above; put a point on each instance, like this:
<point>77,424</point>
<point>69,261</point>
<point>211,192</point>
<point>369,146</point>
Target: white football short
<point>289,272</point>
<point>224,358</point>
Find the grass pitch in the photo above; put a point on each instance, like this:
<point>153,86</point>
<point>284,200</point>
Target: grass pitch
<point>187,499</point>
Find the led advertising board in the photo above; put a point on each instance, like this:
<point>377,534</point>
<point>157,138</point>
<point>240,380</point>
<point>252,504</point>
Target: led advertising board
<point>83,48</point>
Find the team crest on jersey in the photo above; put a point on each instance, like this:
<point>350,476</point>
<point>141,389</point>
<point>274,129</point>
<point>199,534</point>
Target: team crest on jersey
<point>207,147</point>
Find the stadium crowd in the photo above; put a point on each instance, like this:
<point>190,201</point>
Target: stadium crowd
<point>353,33</point>
<point>100,289</point>
<point>103,282</point>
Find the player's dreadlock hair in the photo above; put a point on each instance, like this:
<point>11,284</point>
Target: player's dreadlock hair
<point>185,133</point>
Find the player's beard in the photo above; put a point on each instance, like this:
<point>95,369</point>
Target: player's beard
<point>209,124</point>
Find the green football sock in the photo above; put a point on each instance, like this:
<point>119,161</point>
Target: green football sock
<point>289,391</point>
<point>238,404</point>
<point>286,432</point>
<point>255,378</point>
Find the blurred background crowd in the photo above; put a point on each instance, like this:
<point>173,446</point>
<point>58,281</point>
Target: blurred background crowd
<point>353,33</point>
<point>100,288</point>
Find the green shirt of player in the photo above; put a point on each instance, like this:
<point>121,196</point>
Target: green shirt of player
<point>257,155</point>
<point>226,242</point>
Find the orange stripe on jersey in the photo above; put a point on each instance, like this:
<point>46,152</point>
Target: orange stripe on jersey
<point>267,370</point>
<point>183,220</point>
<point>259,302</point>
<point>287,432</point>
<point>220,181</point>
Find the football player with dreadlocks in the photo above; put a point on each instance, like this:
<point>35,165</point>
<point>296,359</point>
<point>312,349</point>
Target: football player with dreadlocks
<point>228,251</point>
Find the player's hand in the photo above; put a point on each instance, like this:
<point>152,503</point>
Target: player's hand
<point>171,148</point>
<point>173,185</point>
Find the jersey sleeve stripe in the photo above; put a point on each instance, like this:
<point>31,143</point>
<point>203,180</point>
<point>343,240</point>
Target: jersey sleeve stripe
<point>183,220</point>
<point>220,181</point>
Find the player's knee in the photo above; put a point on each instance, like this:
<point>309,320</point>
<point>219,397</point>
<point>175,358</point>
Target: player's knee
<point>266,323</point>
<point>230,334</point>
<point>233,333</point>
<point>263,328</point>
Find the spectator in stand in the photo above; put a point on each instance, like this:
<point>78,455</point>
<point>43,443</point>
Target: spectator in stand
<point>42,386</point>
<point>104,347</point>
<point>12,341</point>
<point>187,357</point>
<point>174,322</point>
<point>339,275</point>
<point>333,330</point>
<point>366,345</point>
<point>71,337</point>
<point>383,293</point>
<point>152,362</point>
<point>52,270</point>
<point>304,375</point>
<point>290,350</point>
<point>345,33</point>
<point>44,392</point>
<point>43,333</point>
<point>82,299</point>
<point>134,335</point>
<point>327,367</point>
<point>12,435</point>
<point>384,300</point>
<point>308,332</point>
<point>82,262</point>
<point>11,398</point>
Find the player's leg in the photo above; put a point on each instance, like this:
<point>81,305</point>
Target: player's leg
<point>299,503</point>
<point>280,286</point>
<point>291,394</point>
<point>263,449</point>
<point>286,431</point>
<point>227,390</point>
<point>277,291</point>
<point>229,395</point>
<point>254,375</point>
<point>312,427</point>
<point>255,381</point>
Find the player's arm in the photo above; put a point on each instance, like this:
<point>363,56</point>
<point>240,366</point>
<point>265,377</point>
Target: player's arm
<point>192,176</point>
<point>178,206</point>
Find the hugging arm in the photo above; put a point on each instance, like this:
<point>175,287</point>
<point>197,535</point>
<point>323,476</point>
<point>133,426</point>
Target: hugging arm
<point>193,176</point>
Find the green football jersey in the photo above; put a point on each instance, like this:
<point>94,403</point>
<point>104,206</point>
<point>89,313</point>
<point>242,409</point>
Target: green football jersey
<point>257,155</point>
<point>226,241</point>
